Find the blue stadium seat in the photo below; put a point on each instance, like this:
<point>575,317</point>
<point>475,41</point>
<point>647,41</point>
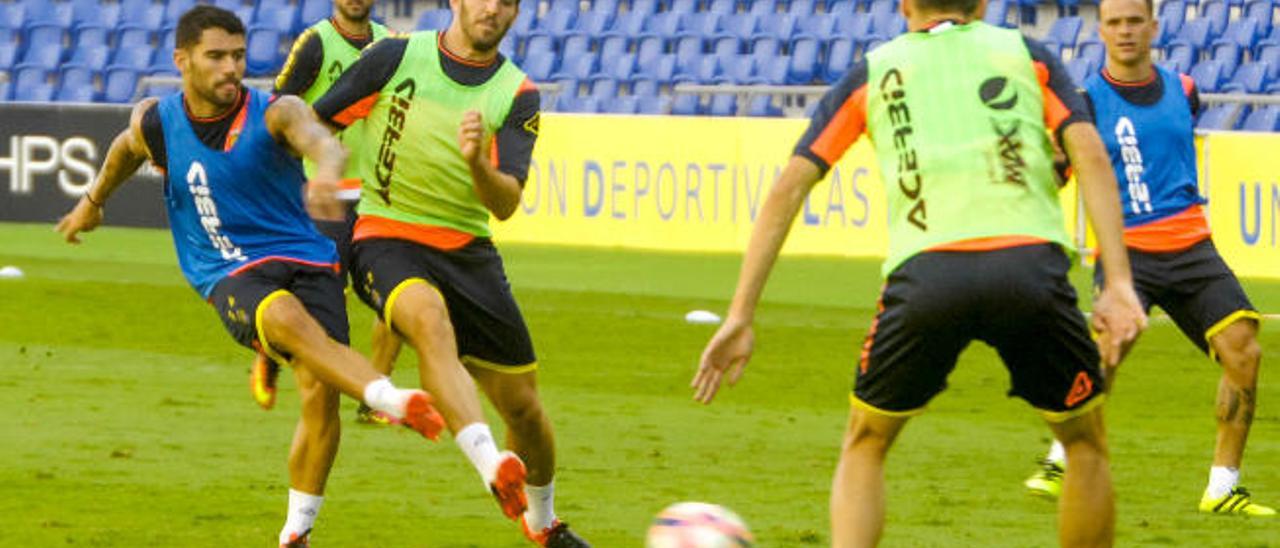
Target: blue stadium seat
<point>1270,54</point>
<point>872,44</point>
<point>159,90</point>
<point>522,24</point>
<point>312,11</point>
<point>263,55</point>
<point>1091,50</point>
<point>539,67</point>
<point>603,88</point>
<point>702,25</point>
<point>556,22</point>
<point>804,62</point>
<point>1265,118</point>
<point>626,104</point>
<point>91,57</point>
<point>148,16</point>
<point>1240,32</point>
<point>1180,55</point>
<point>436,19</point>
<point>1261,11</point>
<point>4,91</point>
<point>723,104</point>
<point>1218,117</point>
<point>603,6</point>
<point>766,46</point>
<point>683,7</point>
<point>774,70</point>
<point>243,11</point>
<point>133,37</point>
<point>8,55</point>
<point>1064,31</point>
<point>579,67</point>
<point>998,13</point>
<point>13,16</point>
<point>762,7</point>
<point>10,36</point>
<point>593,23</point>
<point>174,9</point>
<point>882,7</point>
<point>1226,53</point>
<point>627,25</point>
<point>739,25</point>
<point>801,8</point>
<point>686,104</point>
<point>722,7</point>
<point>38,93</point>
<point>1216,13</point>
<point>162,63</point>
<point>47,56</point>
<point>855,25</point>
<point>839,59</point>
<point>119,85</point>
<point>762,105</point>
<point>621,67</point>
<point>653,104</point>
<point>688,53</point>
<point>1207,76</point>
<point>613,46</point>
<point>46,12</point>
<point>707,71</point>
<point>92,13</point>
<point>1172,14</point>
<point>820,26</point>
<point>1195,33</point>
<point>92,36</point>
<point>887,26</point>
<point>661,68</point>
<point>44,35</point>
<point>136,58</point>
<point>1249,78</point>
<point>588,104</point>
<point>539,44</point>
<point>662,25</point>
<point>28,76</point>
<point>575,44</point>
<point>777,25</point>
<point>644,88</point>
<point>841,7</point>
<point>75,84</point>
<point>276,15</point>
<point>726,45</point>
<point>1079,69</point>
<point>644,7</point>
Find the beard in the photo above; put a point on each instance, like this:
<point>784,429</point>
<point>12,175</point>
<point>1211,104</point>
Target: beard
<point>358,14</point>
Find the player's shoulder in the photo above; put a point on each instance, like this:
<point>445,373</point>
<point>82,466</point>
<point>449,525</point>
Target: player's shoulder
<point>141,109</point>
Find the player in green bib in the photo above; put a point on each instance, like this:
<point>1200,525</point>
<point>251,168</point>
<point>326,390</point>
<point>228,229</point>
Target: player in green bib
<point>318,57</point>
<point>960,115</point>
<point>448,130</point>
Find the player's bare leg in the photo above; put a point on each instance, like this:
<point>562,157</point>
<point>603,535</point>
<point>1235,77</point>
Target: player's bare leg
<point>385,348</point>
<point>1237,349</point>
<point>420,316</point>
<point>290,329</point>
<point>1086,509</point>
<point>315,445</point>
<point>858,490</point>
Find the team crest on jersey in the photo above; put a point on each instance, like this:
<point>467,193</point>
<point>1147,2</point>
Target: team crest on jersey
<point>531,125</point>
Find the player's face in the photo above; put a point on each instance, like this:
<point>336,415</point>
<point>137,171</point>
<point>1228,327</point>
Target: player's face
<point>214,66</point>
<point>354,10</point>
<point>484,22</point>
<point>1126,27</point>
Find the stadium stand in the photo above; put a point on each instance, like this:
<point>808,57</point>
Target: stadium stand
<point>629,56</point>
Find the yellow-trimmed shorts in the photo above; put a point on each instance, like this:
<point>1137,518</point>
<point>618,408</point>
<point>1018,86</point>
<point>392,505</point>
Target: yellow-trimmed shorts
<point>1017,300</point>
<point>1194,286</point>
<point>241,300</point>
<point>490,330</point>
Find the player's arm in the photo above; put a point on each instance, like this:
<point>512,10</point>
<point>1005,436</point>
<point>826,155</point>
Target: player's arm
<point>292,123</point>
<point>838,121</point>
<point>356,91</point>
<point>1117,313</point>
<point>127,153</point>
<point>499,173</point>
<point>303,65</point>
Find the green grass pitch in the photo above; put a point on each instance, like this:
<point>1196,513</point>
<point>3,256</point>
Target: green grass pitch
<point>125,418</point>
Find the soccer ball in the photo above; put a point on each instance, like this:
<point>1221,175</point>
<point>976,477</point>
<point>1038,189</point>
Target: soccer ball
<point>698,525</point>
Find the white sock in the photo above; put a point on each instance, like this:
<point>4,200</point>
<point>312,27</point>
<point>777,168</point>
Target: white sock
<point>383,396</point>
<point>541,513</point>
<point>302,514</point>
<point>1222,480</point>
<point>1057,453</point>
<point>476,442</point>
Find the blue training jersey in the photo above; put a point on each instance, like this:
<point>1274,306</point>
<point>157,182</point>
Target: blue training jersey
<point>231,209</point>
<point>1152,148</point>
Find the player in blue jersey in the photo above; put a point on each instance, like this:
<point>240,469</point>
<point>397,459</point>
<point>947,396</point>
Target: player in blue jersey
<point>1146,115</point>
<point>234,193</point>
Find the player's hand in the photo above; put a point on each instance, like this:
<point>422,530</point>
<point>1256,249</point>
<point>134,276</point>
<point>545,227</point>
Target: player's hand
<point>322,200</point>
<point>471,137</point>
<point>1118,318</point>
<point>727,353</point>
<point>83,218</point>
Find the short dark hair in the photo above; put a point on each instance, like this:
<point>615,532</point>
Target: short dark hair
<point>958,6</point>
<point>194,22</point>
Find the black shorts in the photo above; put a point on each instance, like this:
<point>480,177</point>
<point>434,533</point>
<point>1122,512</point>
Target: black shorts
<point>1193,286</point>
<point>1017,300</point>
<point>340,232</point>
<point>241,298</point>
<point>490,330</point>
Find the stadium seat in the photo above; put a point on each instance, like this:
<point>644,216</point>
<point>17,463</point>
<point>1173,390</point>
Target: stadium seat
<point>653,104</point>
<point>1172,14</point>
<point>1265,118</point>
<point>46,12</point>
<point>242,10</point>
<point>575,44</point>
<point>602,6</point>
<point>604,88</point>
<point>75,85</point>
<point>887,26</point>
<point>1207,76</point>
<point>12,16</point>
<point>841,7</point>
<point>766,46</point>
<point>137,58</point>
<point>277,15</point>
<point>1261,11</point>
<point>119,85</point>
<point>855,25</point>
<point>804,62</point>
<point>313,11</point>
<point>174,9</point>
<point>1270,55</point>
<point>626,104</point>
<point>1240,32</point>
<point>661,68</point>
<point>45,35</point>
<point>738,69</point>
<point>726,46</point>
<point>8,56</point>
<point>820,26</point>
<point>1181,56</point>
<point>688,53</point>
<point>588,105</point>
<point>644,7</point>
<point>740,25</point>
<point>29,75</point>
<point>761,7</point>
<point>776,25</point>
<point>159,90</point>
<point>557,22</point>
<point>91,36</point>
<point>882,7</point>
<point>683,7</point>
<point>92,13</point>
<point>1226,53</point>
<point>436,19</point>
<point>998,13</point>
<point>702,25</point>
<point>47,56</point>
<point>686,104</point>
<point>38,93</point>
<point>1218,117</point>
<point>539,44</point>
<point>1217,14</point>
<point>723,104</point>
<point>801,8</point>
<point>612,47</point>
<point>839,59</point>
<point>1091,50</point>
<point>90,57</point>
<point>1079,69</point>
<point>132,37</point>
<point>662,25</point>
<point>762,105</point>
<point>1249,78</point>
<point>1195,33</point>
<point>627,25</point>
<point>149,16</point>
<point>1064,31</point>
<point>644,88</point>
<point>579,67</point>
<point>4,90</point>
<point>263,54</point>
<point>593,23</point>
<point>539,67</point>
<point>774,71</point>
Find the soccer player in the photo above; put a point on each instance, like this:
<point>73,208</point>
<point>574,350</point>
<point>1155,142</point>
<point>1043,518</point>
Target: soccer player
<point>234,194</point>
<point>319,56</point>
<point>1146,114</point>
<point>449,126</point>
<point>959,113</point>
